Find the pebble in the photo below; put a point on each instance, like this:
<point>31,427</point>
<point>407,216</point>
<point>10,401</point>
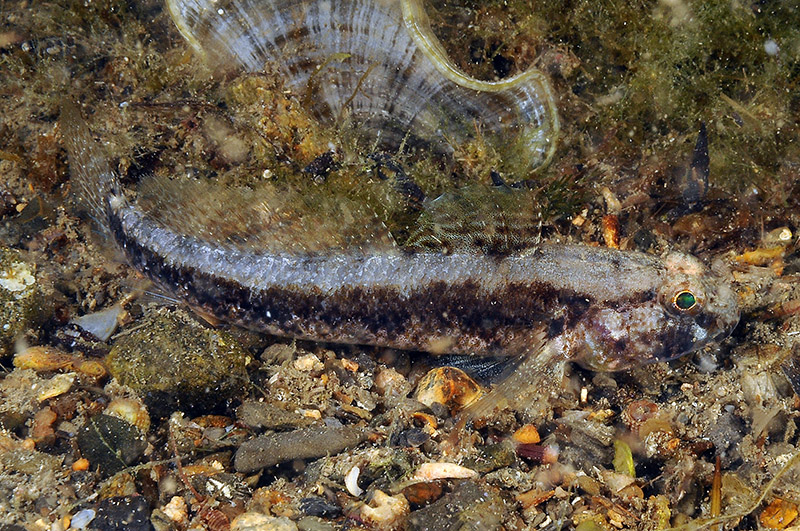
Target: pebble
<point>82,518</point>
<point>252,521</point>
<point>447,386</point>
<point>307,443</point>
<point>173,362</point>
<point>110,443</point>
<point>316,506</point>
<point>472,505</point>
<point>22,303</point>
<point>384,511</point>
<point>312,523</point>
<point>122,513</point>
<point>268,416</point>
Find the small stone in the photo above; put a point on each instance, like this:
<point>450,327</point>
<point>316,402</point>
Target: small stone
<point>492,457</point>
<point>22,303</point>
<point>527,434</point>
<point>28,461</point>
<point>82,518</point>
<point>268,416</point>
<point>313,523</point>
<point>260,522</point>
<point>176,511</point>
<point>173,362</point>
<point>308,363</point>
<point>110,443</point>
<point>448,386</point>
<point>316,506</point>
<point>384,511</point>
<point>472,505</point>
<point>423,493</point>
<point>269,450</point>
<point>392,385</point>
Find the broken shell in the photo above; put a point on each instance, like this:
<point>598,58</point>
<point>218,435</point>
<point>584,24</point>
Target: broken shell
<point>351,482</point>
<point>45,359</point>
<point>448,386</point>
<point>176,510</point>
<point>100,324</point>
<point>42,359</point>
<point>55,386</point>
<point>432,471</point>
<point>131,411</point>
<point>384,511</point>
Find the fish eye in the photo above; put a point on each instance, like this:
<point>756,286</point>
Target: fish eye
<point>684,300</point>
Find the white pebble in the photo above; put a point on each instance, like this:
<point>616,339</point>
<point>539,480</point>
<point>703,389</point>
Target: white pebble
<point>771,47</point>
<point>81,519</point>
<point>351,482</point>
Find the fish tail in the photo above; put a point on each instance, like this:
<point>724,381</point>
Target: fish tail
<point>94,181</point>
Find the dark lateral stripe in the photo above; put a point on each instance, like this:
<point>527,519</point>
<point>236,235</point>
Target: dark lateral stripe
<point>378,315</point>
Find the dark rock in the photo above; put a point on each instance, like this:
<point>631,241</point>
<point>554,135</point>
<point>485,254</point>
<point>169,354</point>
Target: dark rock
<point>269,416</point>
<point>492,457</point>
<point>173,362</point>
<point>110,443</point>
<point>472,505</point>
<point>123,513</point>
<point>316,506</point>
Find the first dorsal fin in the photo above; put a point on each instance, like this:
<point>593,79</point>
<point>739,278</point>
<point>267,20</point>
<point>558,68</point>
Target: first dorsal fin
<point>267,217</point>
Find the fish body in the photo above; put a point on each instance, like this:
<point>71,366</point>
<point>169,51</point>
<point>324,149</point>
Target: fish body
<point>605,308</point>
<point>377,64</point>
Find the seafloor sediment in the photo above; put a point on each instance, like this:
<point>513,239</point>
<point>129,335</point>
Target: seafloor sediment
<point>143,426</point>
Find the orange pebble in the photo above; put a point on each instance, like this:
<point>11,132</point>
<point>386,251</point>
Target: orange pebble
<point>29,444</point>
<point>80,465</point>
<point>779,514</point>
<point>611,231</point>
<point>449,386</point>
<point>528,434</point>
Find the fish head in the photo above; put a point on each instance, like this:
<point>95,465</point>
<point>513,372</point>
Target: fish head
<point>693,306</point>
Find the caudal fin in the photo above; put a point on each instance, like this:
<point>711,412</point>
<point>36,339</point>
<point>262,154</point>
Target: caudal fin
<point>92,177</point>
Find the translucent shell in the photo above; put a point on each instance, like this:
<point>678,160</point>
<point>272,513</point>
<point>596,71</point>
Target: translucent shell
<point>376,66</point>
<point>131,411</point>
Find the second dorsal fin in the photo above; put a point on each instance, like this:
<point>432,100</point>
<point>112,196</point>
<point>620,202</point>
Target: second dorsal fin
<point>486,219</point>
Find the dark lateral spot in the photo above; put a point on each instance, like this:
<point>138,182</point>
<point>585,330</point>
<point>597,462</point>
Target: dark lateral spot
<point>556,327</point>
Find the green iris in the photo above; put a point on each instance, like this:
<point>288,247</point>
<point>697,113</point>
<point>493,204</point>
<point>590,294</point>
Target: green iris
<point>685,300</point>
